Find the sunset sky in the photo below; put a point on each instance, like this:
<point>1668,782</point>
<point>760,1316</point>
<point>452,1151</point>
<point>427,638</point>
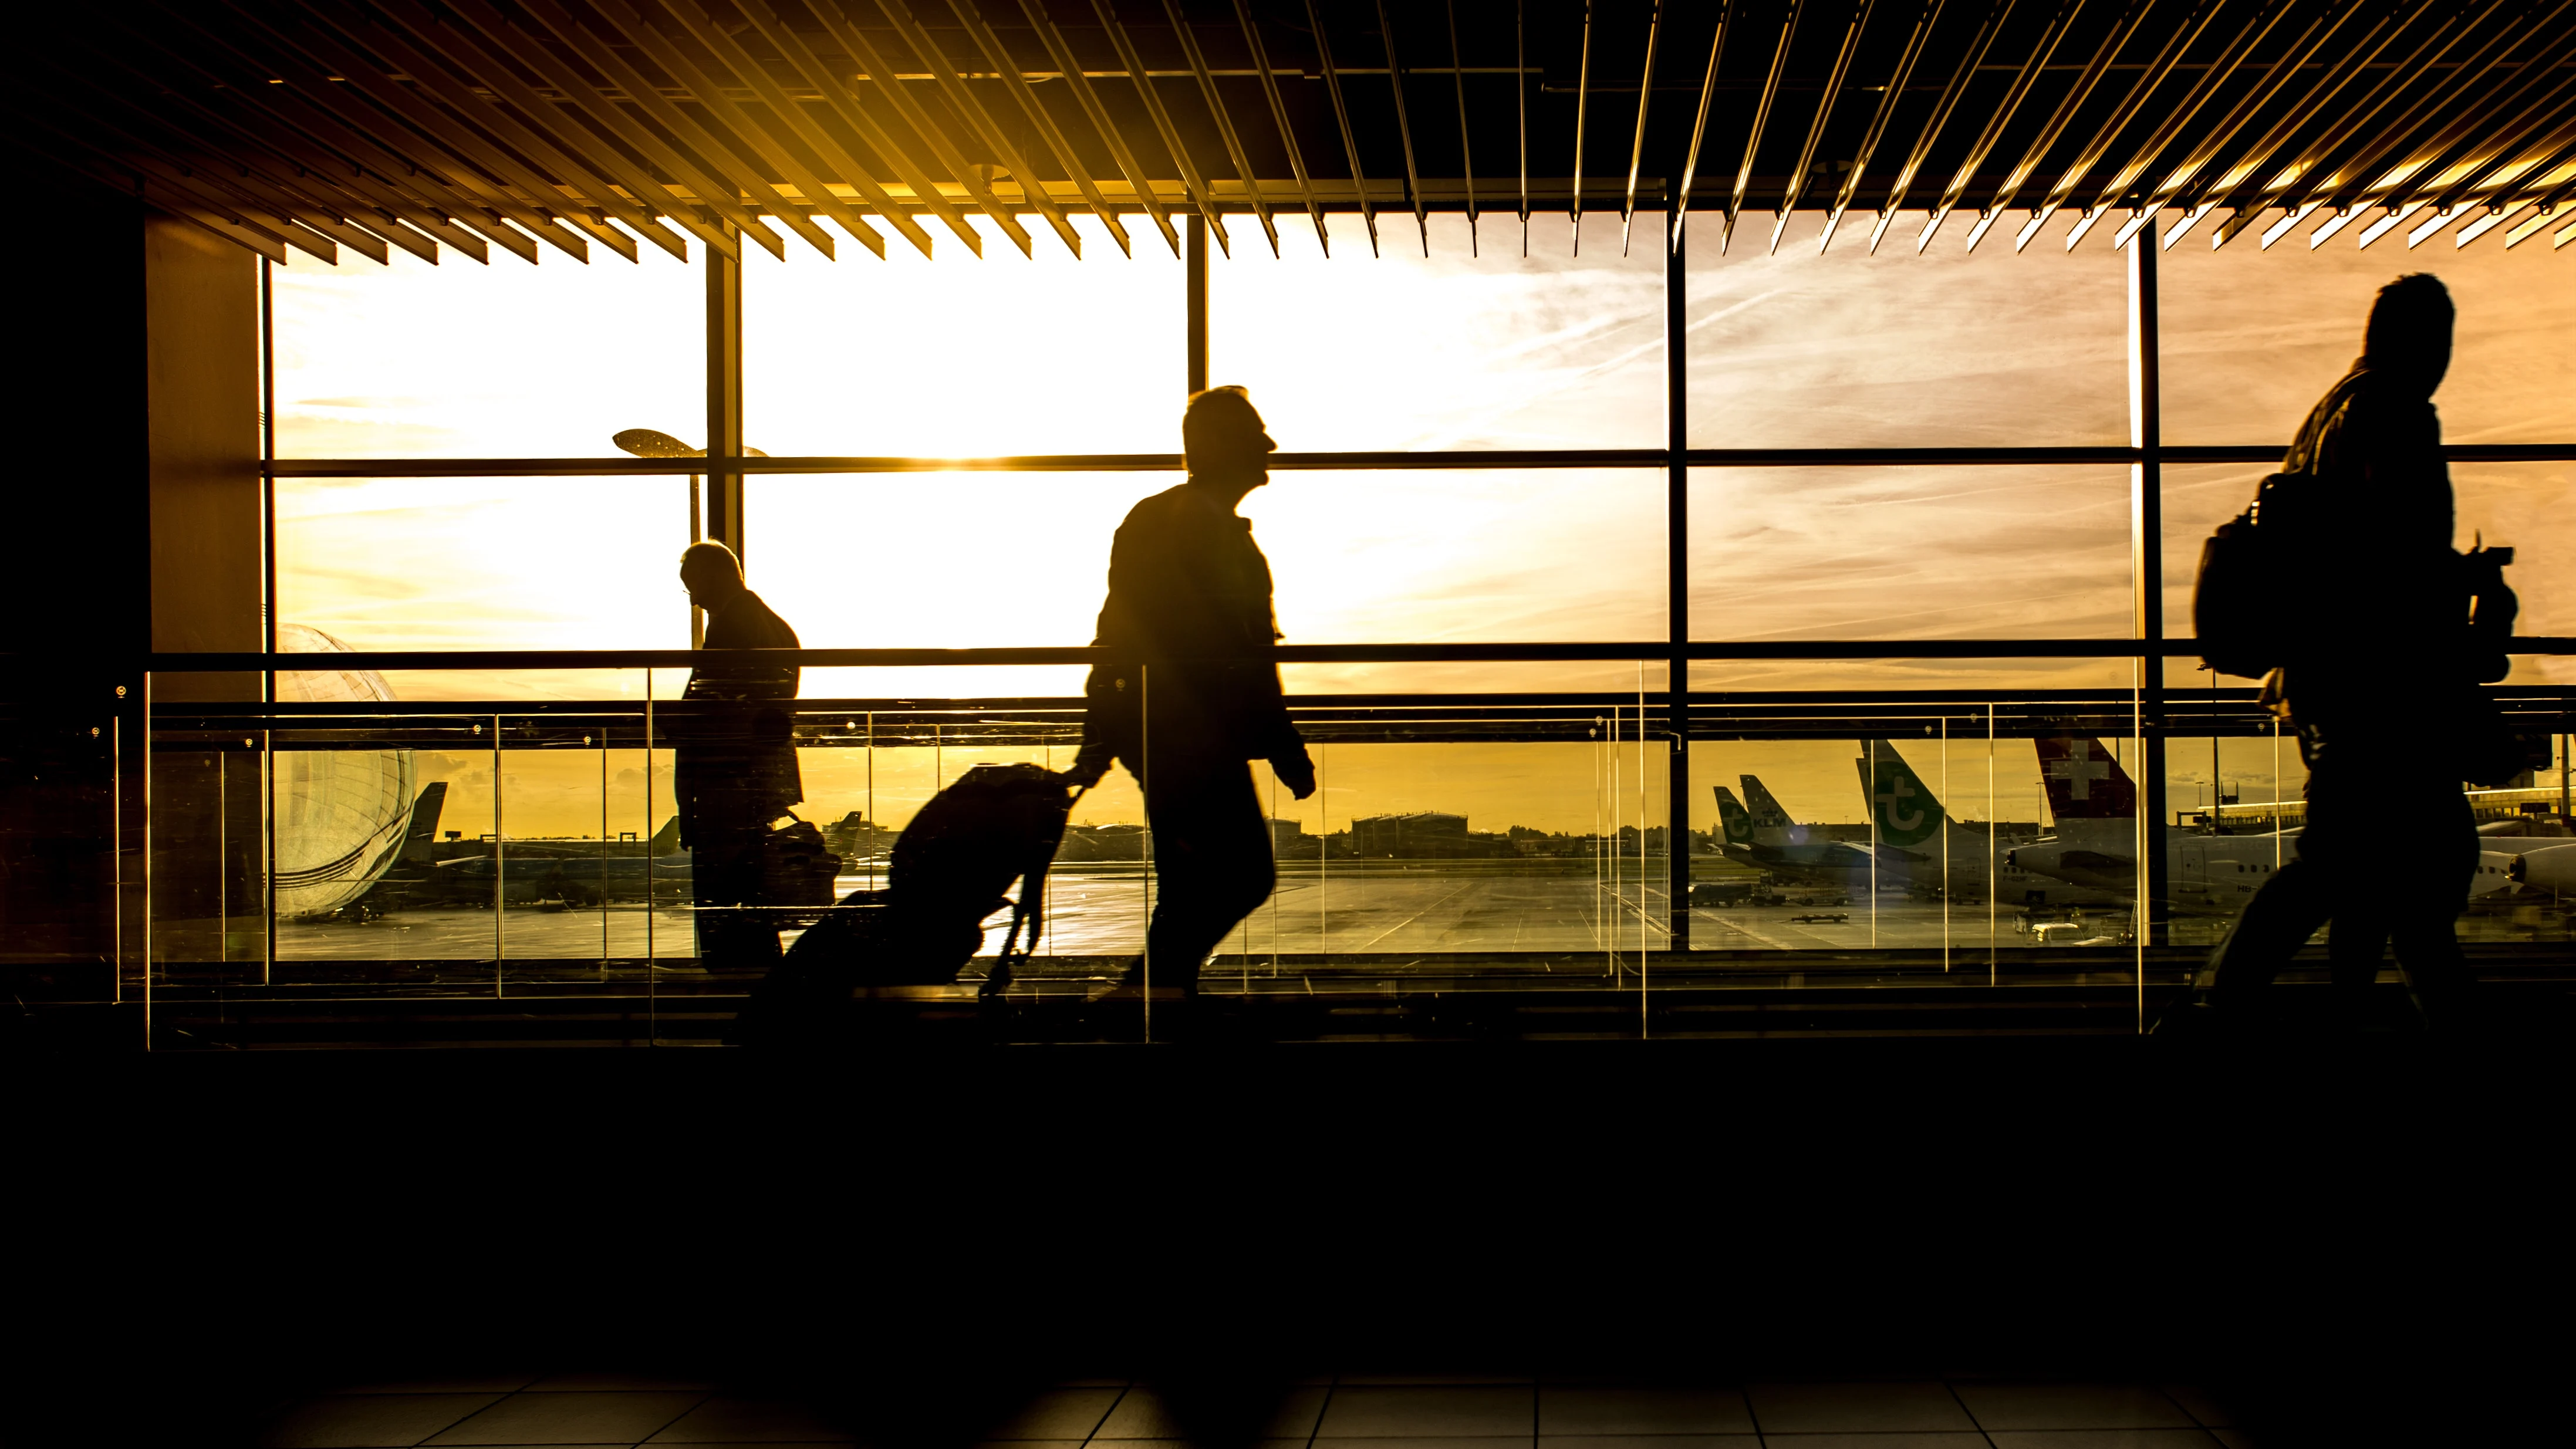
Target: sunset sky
<point>966,357</point>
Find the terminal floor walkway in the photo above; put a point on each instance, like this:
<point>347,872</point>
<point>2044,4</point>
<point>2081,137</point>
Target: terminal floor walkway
<point>1346,1411</point>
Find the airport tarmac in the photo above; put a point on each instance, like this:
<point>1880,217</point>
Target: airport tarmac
<point>1379,907</point>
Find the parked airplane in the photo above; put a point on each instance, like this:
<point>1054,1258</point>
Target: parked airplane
<point>2550,868</point>
<point>1923,849</point>
<point>1764,835</point>
<point>2095,842</point>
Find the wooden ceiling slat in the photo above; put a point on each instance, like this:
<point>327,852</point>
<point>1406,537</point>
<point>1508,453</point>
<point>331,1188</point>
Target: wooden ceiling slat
<point>1042,123</point>
<point>2345,182</point>
<point>509,43</point>
<point>1992,134</point>
<point>2178,115</point>
<point>1192,183</point>
<point>2244,171</point>
<point>2090,156</point>
<point>855,44</point>
<point>721,184</point>
<point>1215,103</point>
<point>852,168</point>
<point>2322,28</point>
<point>463,169</point>
<point>1287,132</point>
<point>980,121</point>
<point>534,129</point>
<point>1075,81</point>
<point>316,207</point>
<point>502,145</point>
<point>315,125</point>
<point>297,126</point>
<point>320,190</point>
<point>840,95</point>
<point>219,189</point>
<point>740,122</point>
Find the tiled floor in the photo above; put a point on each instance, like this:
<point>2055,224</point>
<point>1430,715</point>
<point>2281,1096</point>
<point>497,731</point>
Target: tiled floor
<point>1372,1411</point>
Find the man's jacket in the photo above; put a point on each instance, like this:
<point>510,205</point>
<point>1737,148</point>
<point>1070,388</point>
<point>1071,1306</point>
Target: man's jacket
<point>737,766</point>
<point>1190,601</point>
<point>2378,592</point>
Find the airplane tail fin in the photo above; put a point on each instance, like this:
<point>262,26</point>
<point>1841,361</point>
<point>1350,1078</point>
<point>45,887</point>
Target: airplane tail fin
<point>1906,810</point>
<point>424,821</point>
<point>666,839</point>
<point>1736,825</point>
<point>1765,811</point>
<point>2084,780</point>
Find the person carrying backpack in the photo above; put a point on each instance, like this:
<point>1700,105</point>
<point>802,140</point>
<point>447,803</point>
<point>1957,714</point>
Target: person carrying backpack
<point>2376,634</point>
<point>1194,693</point>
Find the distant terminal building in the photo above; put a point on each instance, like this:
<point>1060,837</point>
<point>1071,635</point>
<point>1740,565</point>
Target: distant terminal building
<point>1428,834</point>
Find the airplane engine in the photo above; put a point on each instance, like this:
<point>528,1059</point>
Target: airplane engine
<point>2550,868</point>
<point>341,814</point>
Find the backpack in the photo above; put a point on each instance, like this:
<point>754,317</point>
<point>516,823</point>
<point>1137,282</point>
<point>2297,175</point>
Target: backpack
<point>952,865</point>
<point>2241,600</point>
<point>2246,600</point>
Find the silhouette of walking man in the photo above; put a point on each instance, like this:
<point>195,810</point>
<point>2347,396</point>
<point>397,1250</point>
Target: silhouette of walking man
<point>2377,676</point>
<point>1190,602</point>
<point>735,767</point>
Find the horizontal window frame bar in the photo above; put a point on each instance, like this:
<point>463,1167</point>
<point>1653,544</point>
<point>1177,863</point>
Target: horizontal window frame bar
<point>1397,460</point>
<point>1649,651</point>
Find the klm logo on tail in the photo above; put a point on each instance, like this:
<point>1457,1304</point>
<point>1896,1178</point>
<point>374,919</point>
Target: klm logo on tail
<point>1904,807</point>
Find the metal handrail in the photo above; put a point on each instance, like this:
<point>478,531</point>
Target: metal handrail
<point>1640,650</point>
<point>1359,461</point>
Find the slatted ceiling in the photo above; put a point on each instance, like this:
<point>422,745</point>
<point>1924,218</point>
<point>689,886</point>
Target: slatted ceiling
<point>592,127</point>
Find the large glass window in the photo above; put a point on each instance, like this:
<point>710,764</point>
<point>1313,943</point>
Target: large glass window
<point>1910,553</point>
<point>965,357</point>
<point>504,360</point>
<point>2251,339</point>
<point>1471,346</point>
<point>1842,349</point>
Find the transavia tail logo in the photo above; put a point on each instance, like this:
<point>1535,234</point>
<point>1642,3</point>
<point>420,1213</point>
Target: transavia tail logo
<point>1730,814</point>
<point>1907,813</point>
